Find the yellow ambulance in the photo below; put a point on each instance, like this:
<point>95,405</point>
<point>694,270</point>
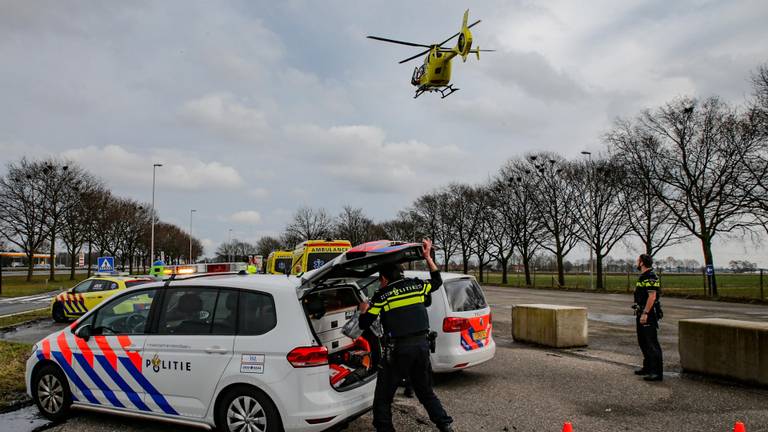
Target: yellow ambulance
<point>313,254</point>
<point>278,262</point>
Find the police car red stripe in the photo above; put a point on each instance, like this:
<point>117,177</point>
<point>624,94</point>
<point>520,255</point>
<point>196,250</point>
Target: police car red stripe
<point>110,355</point>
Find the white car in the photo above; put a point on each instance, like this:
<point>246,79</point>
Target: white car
<point>235,352</point>
<point>463,322</point>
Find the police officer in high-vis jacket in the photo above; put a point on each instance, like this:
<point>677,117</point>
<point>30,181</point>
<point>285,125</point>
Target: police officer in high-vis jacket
<point>648,311</point>
<point>400,304</point>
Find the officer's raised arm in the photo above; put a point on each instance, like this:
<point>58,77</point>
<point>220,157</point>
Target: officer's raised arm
<point>435,280</point>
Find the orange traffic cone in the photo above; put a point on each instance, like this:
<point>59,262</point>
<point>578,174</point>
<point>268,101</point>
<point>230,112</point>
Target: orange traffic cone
<point>739,427</point>
<point>567,427</point>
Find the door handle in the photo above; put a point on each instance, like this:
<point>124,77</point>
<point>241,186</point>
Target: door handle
<point>133,348</point>
<point>216,350</point>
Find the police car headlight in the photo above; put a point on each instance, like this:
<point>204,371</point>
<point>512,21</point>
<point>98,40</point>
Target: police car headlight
<point>34,350</point>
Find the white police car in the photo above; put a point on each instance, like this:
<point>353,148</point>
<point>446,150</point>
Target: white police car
<point>236,352</point>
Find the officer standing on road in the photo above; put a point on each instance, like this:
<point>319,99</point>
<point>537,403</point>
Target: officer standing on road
<point>648,310</point>
<point>400,303</point>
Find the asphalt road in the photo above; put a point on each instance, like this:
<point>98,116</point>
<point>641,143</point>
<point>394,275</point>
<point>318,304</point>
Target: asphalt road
<point>527,388</point>
<point>19,271</point>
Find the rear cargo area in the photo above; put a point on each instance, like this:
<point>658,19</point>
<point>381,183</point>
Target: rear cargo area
<point>350,362</point>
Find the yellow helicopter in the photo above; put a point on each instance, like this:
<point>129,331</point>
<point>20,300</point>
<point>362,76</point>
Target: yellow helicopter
<point>435,74</point>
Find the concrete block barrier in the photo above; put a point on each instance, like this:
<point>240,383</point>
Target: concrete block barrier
<point>725,348</point>
<point>550,325</point>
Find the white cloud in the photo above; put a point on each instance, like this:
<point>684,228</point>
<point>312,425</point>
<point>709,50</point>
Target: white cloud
<point>249,217</point>
<point>362,159</point>
<point>221,112</point>
<point>116,164</point>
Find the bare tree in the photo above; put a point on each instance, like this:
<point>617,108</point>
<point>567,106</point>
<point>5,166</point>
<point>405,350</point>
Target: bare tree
<point>483,241</point>
<point>601,217</point>
<point>403,228</point>
<point>23,208</point>
<point>756,162</point>
<point>352,224</point>
<point>435,220</point>
<point>519,212</point>
<point>267,245</point>
<point>649,219</point>
<point>461,206</point>
<point>698,149</point>
<point>308,224</point>
<point>76,221</point>
<point>554,200</point>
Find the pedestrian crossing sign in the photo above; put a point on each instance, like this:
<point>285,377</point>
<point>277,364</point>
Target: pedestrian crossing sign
<point>105,264</point>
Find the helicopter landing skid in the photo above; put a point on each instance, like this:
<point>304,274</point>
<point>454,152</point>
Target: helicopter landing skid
<point>444,91</point>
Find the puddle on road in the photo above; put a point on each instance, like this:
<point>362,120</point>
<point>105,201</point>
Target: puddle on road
<point>23,420</point>
<point>31,333</point>
<point>612,318</point>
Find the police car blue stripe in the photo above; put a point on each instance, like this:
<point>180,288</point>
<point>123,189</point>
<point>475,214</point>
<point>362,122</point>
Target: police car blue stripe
<point>74,378</point>
<point>132,395</point>
<point>40,356</point>
<point>148,387</point>
<point>110,395</point>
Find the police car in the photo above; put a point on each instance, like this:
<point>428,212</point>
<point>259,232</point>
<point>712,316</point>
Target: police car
<point>236,352</point>
<point>86,295</point>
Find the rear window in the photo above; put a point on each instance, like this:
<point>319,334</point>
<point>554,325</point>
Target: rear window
<point>283,264</point>
<point>465,295</point>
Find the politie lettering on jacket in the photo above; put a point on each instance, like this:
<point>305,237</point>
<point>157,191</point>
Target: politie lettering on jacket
<point>158,364</point>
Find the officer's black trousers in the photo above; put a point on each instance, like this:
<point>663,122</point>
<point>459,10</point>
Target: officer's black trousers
<point>648,338</point>
<point>412,361</point>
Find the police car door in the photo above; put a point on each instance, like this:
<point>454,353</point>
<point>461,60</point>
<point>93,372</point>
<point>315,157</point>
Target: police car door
<point>192,345</point>
<point>105,356</point>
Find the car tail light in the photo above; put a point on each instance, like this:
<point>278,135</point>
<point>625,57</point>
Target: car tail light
<point>302,357</point>
<point>453,325</point>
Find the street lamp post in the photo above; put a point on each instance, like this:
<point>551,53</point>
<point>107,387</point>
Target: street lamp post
<point>152,241</point>
<point>591,271</point>
<point>190,234</point>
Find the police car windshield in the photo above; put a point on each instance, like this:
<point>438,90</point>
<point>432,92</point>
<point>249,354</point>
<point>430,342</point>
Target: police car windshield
<point>317,260</point>
<point>465,295</point>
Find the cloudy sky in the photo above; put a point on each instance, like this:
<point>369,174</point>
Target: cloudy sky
<point>257,108</point>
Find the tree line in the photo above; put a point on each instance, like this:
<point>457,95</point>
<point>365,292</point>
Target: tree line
<point>690,168</point>
<point>50,202</point>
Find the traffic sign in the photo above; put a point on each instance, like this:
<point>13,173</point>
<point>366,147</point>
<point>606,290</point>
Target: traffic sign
<point>105,264</point>
<point>710,270</point>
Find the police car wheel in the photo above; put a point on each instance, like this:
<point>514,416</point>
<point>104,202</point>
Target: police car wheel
<point>58,313</point>
<point>50,391</point>
<point>247,410</point>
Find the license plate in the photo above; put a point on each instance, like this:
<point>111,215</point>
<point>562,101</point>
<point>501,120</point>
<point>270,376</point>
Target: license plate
<point>479,335</point>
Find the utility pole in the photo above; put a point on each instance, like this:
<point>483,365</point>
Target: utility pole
<point>591,272</point>
<point>152,241</point>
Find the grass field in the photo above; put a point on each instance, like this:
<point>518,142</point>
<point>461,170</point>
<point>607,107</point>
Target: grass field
<point>13,357</point>
<point>743,286</point>
<point>16,286</point>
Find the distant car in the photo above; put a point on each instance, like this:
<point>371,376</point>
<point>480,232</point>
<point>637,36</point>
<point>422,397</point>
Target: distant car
<point>60,266</point>
<point>17,264</point>
<point>42,266</point>
<point>86,295</point>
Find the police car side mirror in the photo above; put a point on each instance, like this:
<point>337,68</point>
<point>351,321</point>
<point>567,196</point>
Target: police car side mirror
<point>84,332</point>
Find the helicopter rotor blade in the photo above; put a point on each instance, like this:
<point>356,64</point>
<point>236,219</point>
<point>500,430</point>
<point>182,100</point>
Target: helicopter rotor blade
<point>469,26</point>
<point>415,56</point>
<point>399,42</point>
